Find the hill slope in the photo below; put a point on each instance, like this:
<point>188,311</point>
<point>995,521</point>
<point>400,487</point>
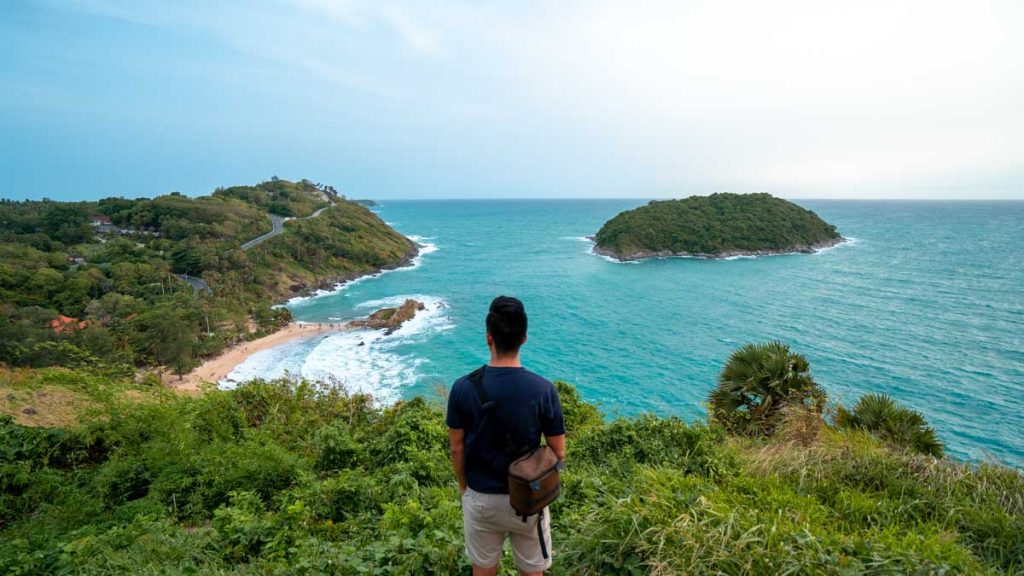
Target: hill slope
<point>113,269</point>
<point>716,226</point>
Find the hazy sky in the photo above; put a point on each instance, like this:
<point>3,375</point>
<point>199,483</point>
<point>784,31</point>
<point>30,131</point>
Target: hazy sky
<point>865,98</point>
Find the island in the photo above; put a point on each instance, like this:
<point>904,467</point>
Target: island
<point>721,225</point>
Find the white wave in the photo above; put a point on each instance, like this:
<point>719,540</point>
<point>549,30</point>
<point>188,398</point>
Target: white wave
<point>590,250</point>
<point>359,360</point>
<point>425,248</point>
<point>850,241</point>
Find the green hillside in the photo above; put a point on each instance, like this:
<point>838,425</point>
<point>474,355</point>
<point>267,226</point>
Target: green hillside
<point>714,226</point>
<point>112,269</point>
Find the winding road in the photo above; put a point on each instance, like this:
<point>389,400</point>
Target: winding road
<point>197,284</point>
<point>277,226</point>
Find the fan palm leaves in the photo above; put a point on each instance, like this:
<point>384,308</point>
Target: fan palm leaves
<point>882,417</point>
<point>757,383</point>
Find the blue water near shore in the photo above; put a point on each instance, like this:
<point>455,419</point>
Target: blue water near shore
<point>926,303</point>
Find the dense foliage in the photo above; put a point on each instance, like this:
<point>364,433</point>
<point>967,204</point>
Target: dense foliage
<point>881,416</point>
<point>757,383</point>
<point>764,387</point>
<point>113,270</point>
<point>714,225</point>
<point>291,478</point>
<point>282,197</point>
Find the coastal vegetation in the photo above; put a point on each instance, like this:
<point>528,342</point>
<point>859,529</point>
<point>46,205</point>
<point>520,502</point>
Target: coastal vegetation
<point>126,283</point>
<point>295,477</point>
<point>715,226</point>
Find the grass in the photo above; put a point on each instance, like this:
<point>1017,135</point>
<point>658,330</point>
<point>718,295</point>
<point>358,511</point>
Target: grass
<point>291,478</point>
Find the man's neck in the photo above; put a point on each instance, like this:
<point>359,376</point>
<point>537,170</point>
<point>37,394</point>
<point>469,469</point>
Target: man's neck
<point>505,361</point>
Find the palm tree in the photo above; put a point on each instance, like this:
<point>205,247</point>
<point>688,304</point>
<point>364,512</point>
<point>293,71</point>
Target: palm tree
<point>758,381</point>
<point>882,417</point>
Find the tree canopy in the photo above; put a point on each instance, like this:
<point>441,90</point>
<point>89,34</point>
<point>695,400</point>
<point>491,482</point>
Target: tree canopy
<point>714,225</point>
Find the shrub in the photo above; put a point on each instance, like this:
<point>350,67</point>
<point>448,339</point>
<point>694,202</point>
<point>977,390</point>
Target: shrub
<point>579,414</point>
<point>757,383</point>
<point>336,448</point>
<point>881,416</point>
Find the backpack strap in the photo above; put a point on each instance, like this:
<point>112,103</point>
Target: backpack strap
<point>488,406</point>
<point>540,535</point>
<point>476,378</point>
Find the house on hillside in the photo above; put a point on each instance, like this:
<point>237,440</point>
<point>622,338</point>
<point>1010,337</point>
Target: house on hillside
<point>63,324</point>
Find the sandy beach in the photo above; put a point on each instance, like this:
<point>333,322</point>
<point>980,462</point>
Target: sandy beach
<point>215,369</point>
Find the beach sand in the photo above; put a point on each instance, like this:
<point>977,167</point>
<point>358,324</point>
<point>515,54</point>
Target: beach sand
<point>216,369</point>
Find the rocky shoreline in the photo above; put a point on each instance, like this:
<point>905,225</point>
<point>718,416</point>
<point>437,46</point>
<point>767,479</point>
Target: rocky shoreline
<point>334,282</point>
<point>646,254</point>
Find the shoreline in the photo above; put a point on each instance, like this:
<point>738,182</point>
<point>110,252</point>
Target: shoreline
<point>333,284</point>
<point>649,254</point>
<point>215,369</point>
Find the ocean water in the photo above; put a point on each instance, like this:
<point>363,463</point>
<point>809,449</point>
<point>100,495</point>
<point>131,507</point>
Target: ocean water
<point>925,303</point>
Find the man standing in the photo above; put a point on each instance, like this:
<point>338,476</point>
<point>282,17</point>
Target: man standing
<point>526,407</point>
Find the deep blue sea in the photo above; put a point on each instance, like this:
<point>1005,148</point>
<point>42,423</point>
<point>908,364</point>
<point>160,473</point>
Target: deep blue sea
<point>925,303</point>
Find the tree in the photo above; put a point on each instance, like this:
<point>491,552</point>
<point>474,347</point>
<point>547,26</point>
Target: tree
<point>758,381</point>
<point>168,337</point>
<point>67,223</point>
<point>880,416</point>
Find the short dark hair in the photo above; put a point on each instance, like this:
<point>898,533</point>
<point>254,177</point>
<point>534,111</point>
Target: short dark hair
<point>506,323</point>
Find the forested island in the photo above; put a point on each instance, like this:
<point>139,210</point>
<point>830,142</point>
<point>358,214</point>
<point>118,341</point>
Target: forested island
<point>127,283</point>
<point>717,226</point>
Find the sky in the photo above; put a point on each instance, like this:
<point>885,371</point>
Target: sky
<point>496,99</point>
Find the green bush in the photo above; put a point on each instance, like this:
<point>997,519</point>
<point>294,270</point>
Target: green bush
<point>881,416</point>
<point>337,448</point>
<point>291,478</point>
<point>757,384</point>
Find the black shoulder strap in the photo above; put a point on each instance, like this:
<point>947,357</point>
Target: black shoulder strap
<point>476,378</point>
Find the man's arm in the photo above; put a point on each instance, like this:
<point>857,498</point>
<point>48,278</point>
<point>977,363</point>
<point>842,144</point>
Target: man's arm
<point>557,445</point>
<point>456,438</point>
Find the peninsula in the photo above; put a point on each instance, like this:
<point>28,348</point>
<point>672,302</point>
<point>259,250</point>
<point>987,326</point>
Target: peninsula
<point>174,281</point>
<point>717,226</point>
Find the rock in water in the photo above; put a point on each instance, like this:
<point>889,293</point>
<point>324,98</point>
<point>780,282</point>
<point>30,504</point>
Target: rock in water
<point>391,319</point>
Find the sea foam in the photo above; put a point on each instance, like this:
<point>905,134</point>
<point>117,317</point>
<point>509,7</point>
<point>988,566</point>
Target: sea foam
<point>426,247</point>
<point>360,361</point>
<point>590,250</point>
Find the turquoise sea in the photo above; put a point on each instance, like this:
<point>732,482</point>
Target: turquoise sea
<point>925,303</point>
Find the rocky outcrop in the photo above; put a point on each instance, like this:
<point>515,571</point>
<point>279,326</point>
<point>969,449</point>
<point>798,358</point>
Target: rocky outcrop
<point>390,319</point>
<point>645,254</point>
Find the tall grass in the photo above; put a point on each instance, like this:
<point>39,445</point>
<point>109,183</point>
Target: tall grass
<point>292,478</point>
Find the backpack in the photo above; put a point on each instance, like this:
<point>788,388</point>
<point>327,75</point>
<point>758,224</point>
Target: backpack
<point>534,479</point>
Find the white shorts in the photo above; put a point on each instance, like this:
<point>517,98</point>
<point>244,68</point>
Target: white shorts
<point>486,518</point>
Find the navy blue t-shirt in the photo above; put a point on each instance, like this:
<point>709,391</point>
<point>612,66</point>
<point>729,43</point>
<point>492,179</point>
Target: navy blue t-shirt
<point>526,406</point>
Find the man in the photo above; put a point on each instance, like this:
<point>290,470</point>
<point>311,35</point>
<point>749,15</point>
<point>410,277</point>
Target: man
<point>527,406</point>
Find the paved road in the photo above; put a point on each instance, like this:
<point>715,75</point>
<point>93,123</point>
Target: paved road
<point>197,284</point>
<point>277,226</point>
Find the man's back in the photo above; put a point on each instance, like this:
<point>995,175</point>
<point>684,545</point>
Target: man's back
<point>522,406</point>
<point>526,406</point>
